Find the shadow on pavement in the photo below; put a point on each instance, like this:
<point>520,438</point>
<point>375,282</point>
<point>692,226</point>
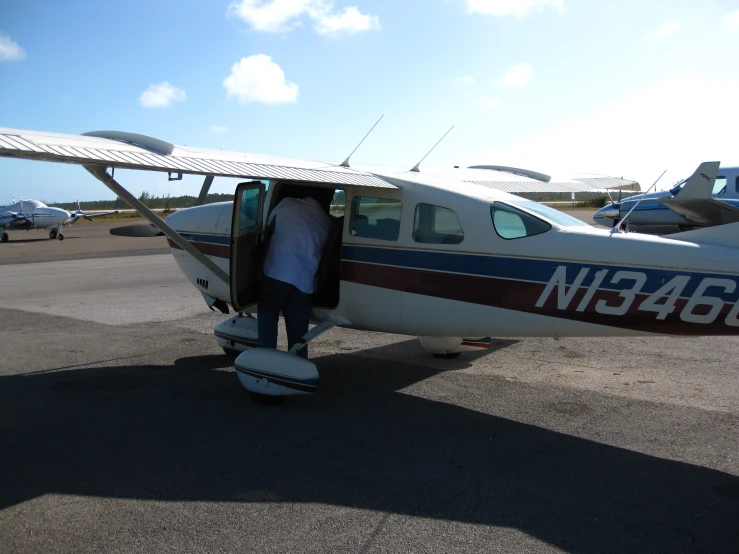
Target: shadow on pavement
<point>190,432</point>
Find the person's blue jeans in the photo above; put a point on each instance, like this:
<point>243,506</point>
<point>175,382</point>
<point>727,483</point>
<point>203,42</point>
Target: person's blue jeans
<point>275,297</point>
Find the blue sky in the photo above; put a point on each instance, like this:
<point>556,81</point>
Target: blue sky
<point>561,86</point>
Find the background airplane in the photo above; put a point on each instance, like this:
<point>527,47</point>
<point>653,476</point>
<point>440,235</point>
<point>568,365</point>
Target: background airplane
<point>33,214</point>
<point>708,197</point>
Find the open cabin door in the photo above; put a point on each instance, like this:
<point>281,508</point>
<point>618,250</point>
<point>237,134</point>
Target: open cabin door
<point>246,235</point>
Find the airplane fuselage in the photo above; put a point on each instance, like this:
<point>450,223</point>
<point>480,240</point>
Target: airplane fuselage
<point>567,281</point>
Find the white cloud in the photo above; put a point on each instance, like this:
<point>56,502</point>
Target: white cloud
<point>348,21</point>
<point>259,79</point>
<point>274,16</point>
<point>518,76</point>
<point>465,80</point>
<point>488,102</point>
<point>732,20</point>
<point>218,129</point>
<point>161,95</point>
<point>666,29</point>
<point>520,8</point>
<point>280,16</point>
<point>639,135</point>
<point>10,50</point>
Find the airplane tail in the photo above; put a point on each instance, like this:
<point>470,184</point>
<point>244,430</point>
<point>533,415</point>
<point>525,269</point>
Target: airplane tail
<point>700,183</point>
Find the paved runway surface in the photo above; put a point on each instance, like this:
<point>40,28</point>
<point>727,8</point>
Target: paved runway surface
<point>81,242</point>
<point>124,429</point>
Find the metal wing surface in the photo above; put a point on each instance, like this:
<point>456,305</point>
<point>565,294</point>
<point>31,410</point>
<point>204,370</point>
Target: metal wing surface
<point>522,181</point>
<point>132,151</point>
<point>101,214</point>
<point>704,211</point>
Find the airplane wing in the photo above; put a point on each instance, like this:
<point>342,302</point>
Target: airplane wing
<point>703,212</point>
<point>522,181</point>
<point>132,151</point>
<point>102,214</point>
<point>97,151</point>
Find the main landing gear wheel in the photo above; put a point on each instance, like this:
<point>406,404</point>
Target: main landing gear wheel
<point>447,356</point>
<point>5,238</point>
<point>266,399</point>
<point>52,234</point>
<point>60,236</point>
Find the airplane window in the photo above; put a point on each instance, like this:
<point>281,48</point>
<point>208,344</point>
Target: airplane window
<point>436,225</point>
<point>560,218</point>
<point>511,223</point>
<point>677,187</point>
<point>338,204</point>
<point>719,186</point>
<point>249,215</point>
<point>375,218</point>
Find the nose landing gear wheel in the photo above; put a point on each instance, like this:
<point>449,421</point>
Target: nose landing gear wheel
<point>231,352</point>
<point>60,237</point>
<point>5,238</point>
<point>52,234</point>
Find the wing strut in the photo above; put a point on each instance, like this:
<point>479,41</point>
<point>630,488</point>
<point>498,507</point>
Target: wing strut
<point>102,175</point>
<point>204,190</point>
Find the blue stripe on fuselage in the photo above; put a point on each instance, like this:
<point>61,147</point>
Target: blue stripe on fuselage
<point>523,269</point>
<point>202,237</point>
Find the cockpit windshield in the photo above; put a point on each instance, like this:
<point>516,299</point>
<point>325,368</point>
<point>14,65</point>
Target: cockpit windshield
<point>560,218</point>
<point>676,187</point>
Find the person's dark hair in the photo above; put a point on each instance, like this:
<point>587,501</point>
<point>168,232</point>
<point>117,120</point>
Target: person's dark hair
<point>322,195</point>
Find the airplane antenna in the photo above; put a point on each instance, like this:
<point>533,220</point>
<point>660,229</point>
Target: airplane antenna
<point>623,221</point>
<point>345,163</point>
<point>415,167</point>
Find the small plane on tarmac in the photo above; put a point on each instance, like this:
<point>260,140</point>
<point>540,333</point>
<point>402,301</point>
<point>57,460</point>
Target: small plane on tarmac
<point>415,253</point>
<point>32,214</point>
<point>708,197</point>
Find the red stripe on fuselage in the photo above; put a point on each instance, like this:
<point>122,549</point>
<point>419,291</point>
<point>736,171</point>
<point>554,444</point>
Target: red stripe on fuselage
<point>207,248</point>
<point>522,296</point>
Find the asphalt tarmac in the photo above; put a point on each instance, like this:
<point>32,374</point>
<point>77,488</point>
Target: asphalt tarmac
<point>123,428</point>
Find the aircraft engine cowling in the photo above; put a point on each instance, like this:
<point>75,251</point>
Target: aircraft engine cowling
<point>269,372</point>
<point>453,346</point>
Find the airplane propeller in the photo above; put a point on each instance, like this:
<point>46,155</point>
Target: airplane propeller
<point>617,205</point>
<point>79,214</point>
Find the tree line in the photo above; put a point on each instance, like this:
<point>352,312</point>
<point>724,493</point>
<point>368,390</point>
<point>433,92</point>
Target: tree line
<point>154,202</point>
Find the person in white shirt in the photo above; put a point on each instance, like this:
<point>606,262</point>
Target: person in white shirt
<point>294,252</point>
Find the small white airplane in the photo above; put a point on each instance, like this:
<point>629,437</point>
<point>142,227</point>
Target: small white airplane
<point>415,253</point>
<point>32,214</point>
